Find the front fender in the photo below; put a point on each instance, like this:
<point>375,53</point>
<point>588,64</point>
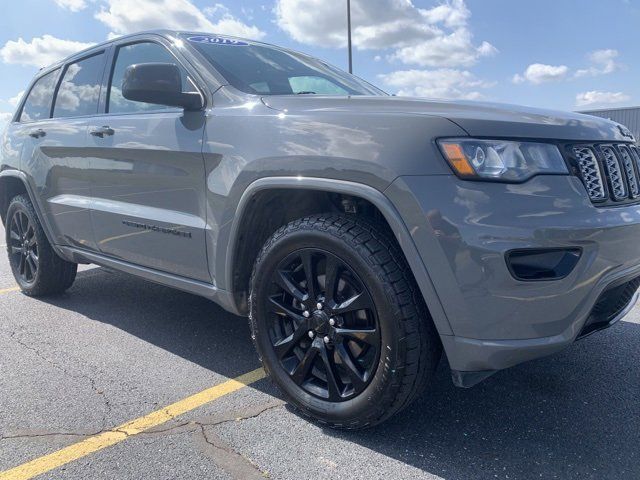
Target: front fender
<point>226,245</point>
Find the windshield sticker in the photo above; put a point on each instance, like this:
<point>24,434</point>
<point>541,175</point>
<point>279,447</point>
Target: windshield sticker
<point>217,40</point>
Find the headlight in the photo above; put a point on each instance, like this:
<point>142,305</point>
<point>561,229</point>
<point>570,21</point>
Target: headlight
<point>501,160</point>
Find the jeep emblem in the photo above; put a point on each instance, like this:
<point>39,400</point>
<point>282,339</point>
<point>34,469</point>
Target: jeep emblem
<point>626,132</point>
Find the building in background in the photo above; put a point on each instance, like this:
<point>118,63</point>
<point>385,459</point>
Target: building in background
<point>629,117</point>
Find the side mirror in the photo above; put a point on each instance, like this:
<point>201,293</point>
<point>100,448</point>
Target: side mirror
<point>158,83</point>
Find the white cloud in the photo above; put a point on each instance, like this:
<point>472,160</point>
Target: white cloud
<point>247,12</point>
<point>127,16</point>
<point>452,14</point>
<point>13,101</point>
<point>443,83</point>
<point>452,50</point>
<point>436,37</point>
<point>603,62</point>
<point>218,8</point>
<point>73,5</point>
<point>5,118</point>
<point>229,25</point>
<point>595,97</point>
<point>376,23</point>
<point>40,52</point>
<point>538,73</point>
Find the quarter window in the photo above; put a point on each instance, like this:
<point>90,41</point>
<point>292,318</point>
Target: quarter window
<point>79,90</point>
<point>38,103</point>
<point>144,52</point>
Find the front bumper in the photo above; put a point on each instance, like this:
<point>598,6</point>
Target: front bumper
<point>463,231</point>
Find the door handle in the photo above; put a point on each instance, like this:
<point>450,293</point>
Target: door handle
<point>104,131</point>
<point>38,133</point>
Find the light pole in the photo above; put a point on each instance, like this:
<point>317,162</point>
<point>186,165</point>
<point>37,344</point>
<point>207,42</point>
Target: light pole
<point>349,35</point>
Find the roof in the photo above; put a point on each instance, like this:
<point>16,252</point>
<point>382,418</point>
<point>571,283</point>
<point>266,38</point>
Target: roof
<point>159,31</point>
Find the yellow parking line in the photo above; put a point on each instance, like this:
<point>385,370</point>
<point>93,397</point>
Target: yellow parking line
<point>9,290</point>
<point>134,427</point>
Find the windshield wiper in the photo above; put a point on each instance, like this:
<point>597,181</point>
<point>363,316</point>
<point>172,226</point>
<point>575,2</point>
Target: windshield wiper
<point>306,93</point>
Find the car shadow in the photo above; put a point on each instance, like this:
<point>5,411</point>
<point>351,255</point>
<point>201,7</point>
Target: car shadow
<point>183,324</point>
<point>573,415</point>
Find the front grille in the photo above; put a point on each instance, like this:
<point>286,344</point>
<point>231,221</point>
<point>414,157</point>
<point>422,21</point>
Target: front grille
<point>610,172</point>
<point>618,184</point>
<point>632,178</point>
<point>590,172</point>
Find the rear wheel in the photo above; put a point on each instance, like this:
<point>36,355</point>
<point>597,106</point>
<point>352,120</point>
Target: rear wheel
<point>338,321</point>
<point>35,266</point>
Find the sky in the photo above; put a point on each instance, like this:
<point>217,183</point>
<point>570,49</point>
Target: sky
<point>559,54</point>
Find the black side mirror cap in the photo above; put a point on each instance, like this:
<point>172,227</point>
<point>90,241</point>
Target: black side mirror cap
<point>158,83</point>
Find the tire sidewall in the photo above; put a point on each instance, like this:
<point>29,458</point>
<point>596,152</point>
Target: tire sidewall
<point>375,398</point>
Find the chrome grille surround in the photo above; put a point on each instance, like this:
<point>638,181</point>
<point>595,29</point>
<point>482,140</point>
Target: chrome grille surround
<point>628,161</point>
<point>590,172</point>
<point>616,180</point>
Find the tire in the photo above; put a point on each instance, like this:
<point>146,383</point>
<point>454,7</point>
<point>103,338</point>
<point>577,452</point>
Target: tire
<point>328,371</point>
<point>38,270</point>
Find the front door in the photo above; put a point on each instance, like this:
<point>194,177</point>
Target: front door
<point>148,176</point>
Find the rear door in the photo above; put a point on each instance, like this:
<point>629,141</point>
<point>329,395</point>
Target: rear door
<point>23,135</point>
<point>55,155</point>
<point>147,174</point>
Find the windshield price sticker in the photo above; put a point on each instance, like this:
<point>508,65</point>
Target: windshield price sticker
<point>217,40</point>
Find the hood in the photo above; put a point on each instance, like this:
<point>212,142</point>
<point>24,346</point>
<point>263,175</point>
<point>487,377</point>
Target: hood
<point>478,119</point>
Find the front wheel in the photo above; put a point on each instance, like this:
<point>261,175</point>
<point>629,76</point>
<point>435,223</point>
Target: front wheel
<point>339,323</point>
<point>35,265</point>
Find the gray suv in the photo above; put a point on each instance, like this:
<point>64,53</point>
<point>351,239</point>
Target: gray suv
<point>362,234</point>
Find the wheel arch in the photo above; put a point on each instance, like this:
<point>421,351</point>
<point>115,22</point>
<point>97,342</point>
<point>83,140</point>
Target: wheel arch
<point>15,182</point>
<point>10,186</point>
<point>231,253</point>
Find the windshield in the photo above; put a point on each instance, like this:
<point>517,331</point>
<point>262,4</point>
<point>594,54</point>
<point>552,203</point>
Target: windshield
<point>266,70</point>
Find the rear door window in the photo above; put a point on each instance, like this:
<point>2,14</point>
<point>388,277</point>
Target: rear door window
<point>38,103</point>
<point>79,91</point>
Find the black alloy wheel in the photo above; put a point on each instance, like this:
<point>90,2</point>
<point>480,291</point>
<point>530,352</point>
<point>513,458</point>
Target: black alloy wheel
<point>36,266</point>
<point>338,321</point>
<point>23,247</point>
<point>323,325</point>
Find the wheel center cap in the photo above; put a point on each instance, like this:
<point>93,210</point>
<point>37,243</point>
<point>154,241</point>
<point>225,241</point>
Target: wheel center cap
<point>321,320</point>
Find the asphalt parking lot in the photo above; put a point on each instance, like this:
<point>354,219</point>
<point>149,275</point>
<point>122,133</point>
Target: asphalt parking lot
<point>75,368</point>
